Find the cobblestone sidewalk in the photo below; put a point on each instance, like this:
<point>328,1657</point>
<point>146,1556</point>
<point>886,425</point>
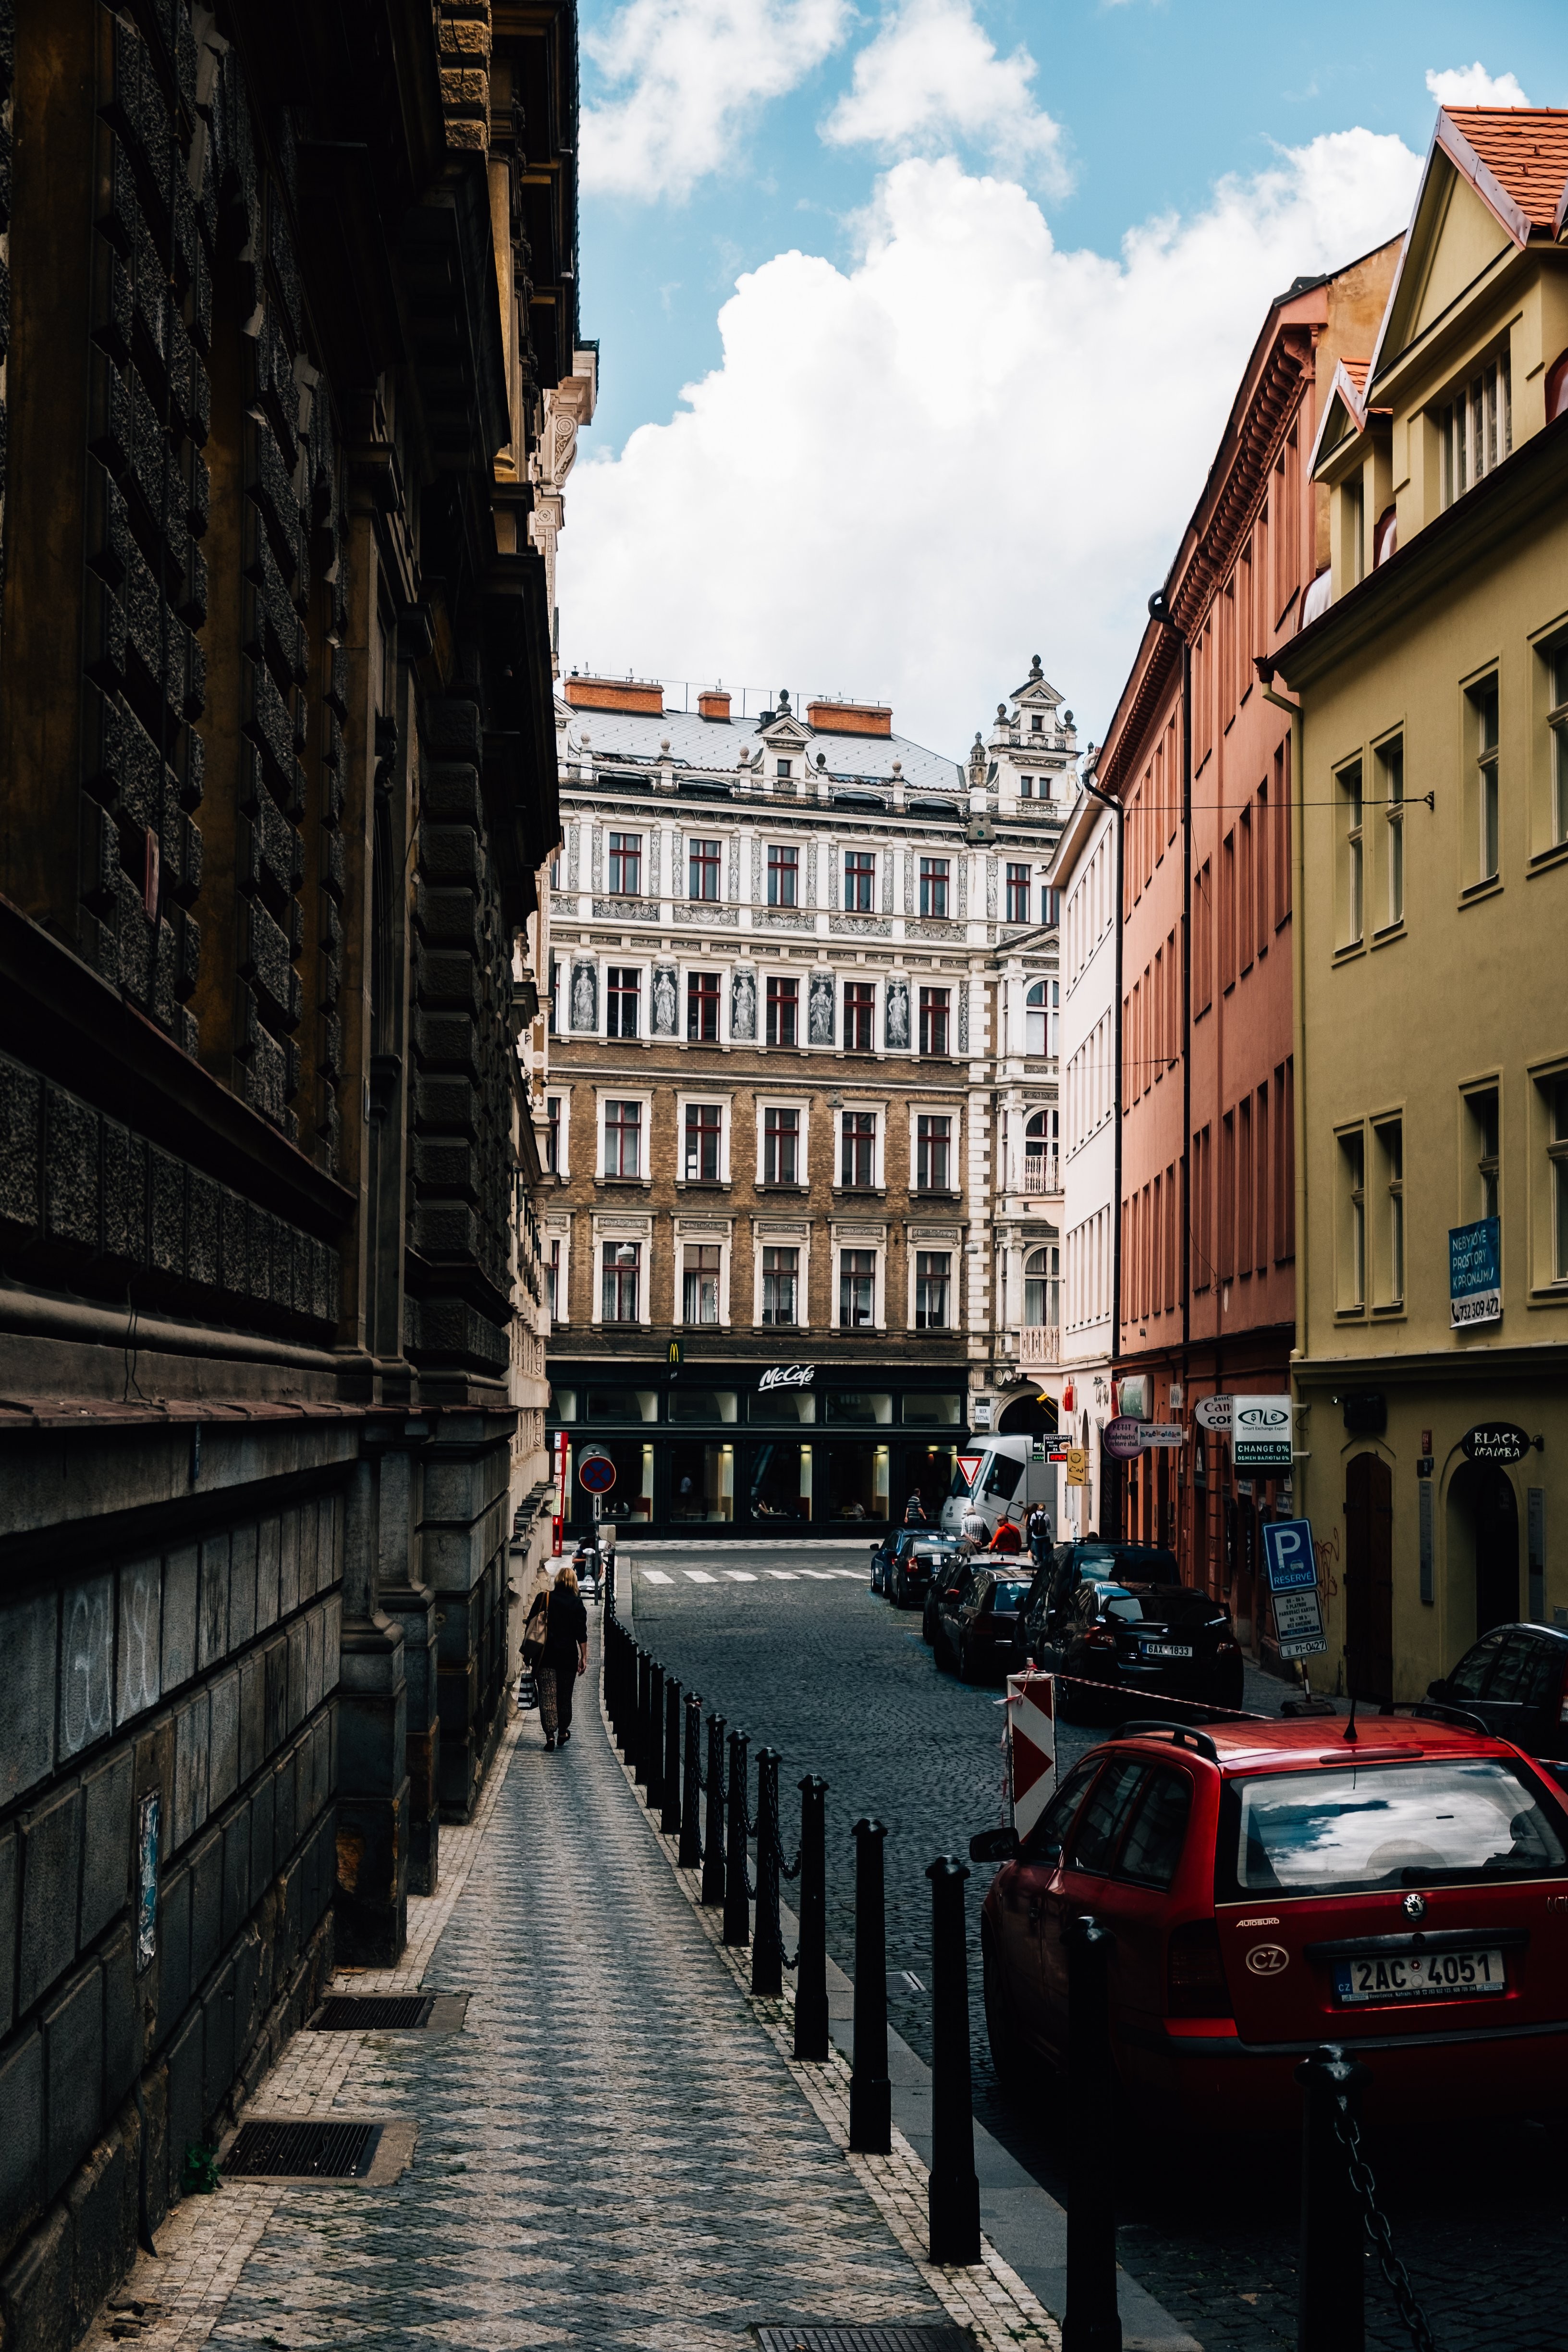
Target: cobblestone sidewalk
<point>612,2158</point>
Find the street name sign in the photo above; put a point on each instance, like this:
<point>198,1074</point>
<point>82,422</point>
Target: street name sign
<point>1260,1433</point>
<point>1292,1566</point>
<point>1475,1273</point>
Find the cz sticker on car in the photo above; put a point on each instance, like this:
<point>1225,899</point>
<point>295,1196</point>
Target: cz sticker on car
<point>1420,1976</point>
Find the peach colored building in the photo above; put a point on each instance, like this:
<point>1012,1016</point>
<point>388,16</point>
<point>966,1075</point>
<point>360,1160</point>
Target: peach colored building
<point>1198,758</point>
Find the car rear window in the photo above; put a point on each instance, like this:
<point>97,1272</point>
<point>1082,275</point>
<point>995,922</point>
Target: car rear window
<point>1176,1605</point>
<point>1385,1825</point>
<point>1009,1596</point>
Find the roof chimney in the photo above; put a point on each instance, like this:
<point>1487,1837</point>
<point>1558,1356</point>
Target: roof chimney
<point>713,702</point>
<point>640,695</point>
<point>851,718</point>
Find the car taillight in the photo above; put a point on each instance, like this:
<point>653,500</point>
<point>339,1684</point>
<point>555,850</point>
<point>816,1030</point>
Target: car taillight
<point>1102,1639</point>
<point>1195,1972</point>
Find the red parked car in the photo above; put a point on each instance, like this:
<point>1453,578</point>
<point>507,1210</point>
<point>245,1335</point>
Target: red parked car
<point>1271,1886</point>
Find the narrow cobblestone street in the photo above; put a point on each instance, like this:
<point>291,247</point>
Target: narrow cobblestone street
<point>789,1644</point>
<point>611,2156</point>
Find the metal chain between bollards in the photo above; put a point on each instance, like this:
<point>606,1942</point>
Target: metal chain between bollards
<point>1347,2131</point>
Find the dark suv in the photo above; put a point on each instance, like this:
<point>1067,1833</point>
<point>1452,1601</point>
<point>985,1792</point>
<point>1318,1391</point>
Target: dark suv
<point>1515,1682</point>
<point>977,1622</point>
<point>900,1563</point>
<point>1142,1642</point>
<point>1096,1560</point>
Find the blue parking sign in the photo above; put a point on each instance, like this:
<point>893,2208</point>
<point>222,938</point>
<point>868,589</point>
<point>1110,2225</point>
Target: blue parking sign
<point>1287,1550</point>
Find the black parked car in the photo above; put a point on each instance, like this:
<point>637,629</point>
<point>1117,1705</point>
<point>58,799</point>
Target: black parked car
<point>977,1622</point>
<point>895,1547</point>
<point>1515,1682</point>
<point>925,1562</point>
<point>1142,1642</point>
<point>940,1588</point>
<point>1093,1561</point>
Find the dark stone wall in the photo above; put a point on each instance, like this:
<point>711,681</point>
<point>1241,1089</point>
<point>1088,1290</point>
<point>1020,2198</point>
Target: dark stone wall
<point>193,1683</point>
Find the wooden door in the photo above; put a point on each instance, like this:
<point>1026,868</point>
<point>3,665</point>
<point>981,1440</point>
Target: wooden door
<point>1369,1578</point>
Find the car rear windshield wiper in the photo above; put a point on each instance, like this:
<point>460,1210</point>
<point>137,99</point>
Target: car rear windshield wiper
<point>1500,1865</point>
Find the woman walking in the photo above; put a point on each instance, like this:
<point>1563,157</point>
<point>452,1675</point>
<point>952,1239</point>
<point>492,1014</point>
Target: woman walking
<point>566,1656</point>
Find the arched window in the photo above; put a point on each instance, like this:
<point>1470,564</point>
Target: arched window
<point>1042,1286</point>
<point>1040,1146</point>
<point>1040,1018</point>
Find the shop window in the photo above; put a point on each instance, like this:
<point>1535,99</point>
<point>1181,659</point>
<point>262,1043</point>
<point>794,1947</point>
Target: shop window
<point>861,1406</point>
<point>934,886</point>
<point>859,1016</point>
<point>932,1272</point>
<point>935,1006</point>
<point>622,1404</point>
<point>859,881</point>
<point>797,1405</point>
<point>625,865</point>
<point>933,1150</point>
<point>779,1482</point>
<point>857,1482</point>
<point>781,1286</point>
<point>784,1012</point>
<point>860,1141</point>
<point>702,869</point>
<point>699,1283</point>
<point>784,874</point>
<point>623,1139</point>
<point>943,1409</point>
<point>856,1289</point>
<point>562,1405</point>
<point>622,1284</point>
<point>703,1136</point>
<point>702,1483</point>
<point>928,1472</point>
<point>702,1404</point>
<point>702,1007</point>
<point>624,1001</point>
<point>781,1147</point>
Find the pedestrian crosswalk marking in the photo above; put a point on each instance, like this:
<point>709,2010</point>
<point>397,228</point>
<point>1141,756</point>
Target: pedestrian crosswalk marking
<point>821,1575</point>
<point>782,1575</point>
<point>656,1576</point>
<point>699,1576</point>
<point>740,1576</point>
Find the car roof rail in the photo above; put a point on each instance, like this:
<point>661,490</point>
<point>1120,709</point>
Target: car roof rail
<point>1185,1735</point>
<point>1436,1710</point>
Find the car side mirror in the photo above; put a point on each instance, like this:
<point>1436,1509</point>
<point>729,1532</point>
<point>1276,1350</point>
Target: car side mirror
<point>993,1846</point>
<point>1440,1689</point>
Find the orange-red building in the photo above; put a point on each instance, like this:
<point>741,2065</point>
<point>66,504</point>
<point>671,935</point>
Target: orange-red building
<point>1198,760</point>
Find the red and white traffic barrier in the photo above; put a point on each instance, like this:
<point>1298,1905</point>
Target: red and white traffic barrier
<point>1031,1741</point>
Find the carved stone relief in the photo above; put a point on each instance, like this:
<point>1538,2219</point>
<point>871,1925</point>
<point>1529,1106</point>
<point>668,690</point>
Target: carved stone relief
<point>898,1016</point>
<point>819,1009</point>
<point>743,1005</point>
<point>664,1000</point>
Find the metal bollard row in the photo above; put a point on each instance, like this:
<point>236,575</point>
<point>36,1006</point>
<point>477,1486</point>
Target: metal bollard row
<point>669,1818</point>
<point>737,1878</point>
<point>714,1833</point>
<point>691,1793</point>
<point>767,1947</point>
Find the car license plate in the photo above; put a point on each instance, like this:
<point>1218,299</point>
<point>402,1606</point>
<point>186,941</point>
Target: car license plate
<point>1420,1976</point>
<point>1167,1649</point>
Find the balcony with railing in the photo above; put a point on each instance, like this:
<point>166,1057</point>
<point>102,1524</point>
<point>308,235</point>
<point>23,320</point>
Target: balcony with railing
<point>1040,1347</point>
<point>1042,1175</point>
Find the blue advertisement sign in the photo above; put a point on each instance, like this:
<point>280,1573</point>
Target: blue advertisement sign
<point>1474,1273</point>
<point>1288,1549</point>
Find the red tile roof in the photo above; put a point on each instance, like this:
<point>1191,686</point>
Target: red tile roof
<point>1524,150</point>
<point>1356,371</point>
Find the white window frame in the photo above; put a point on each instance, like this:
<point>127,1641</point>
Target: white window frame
<point>854,849</point>
<point>802,979</point>
<point>559,1229</point>
<point>950,1246</point>
<point>604,1095</point>
<point>878,1143</point>
<point>801,1105</point>
<point>841,1242</point>
<point>624,1232</point>
<point>952,1113</point>
<point>644,971</point>
<point>703,1098</point>
<point>563,1097</point>
<point>685,971</point>
<point>683,1236</point>
<point>852,977</point>
<point>784,1238</point>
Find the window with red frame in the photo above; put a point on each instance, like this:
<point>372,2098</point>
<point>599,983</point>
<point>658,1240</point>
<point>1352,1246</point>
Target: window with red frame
<point>1017,894</point>
<point>702,1126</point>
<point>784,1012</point>
<point>859,881</point>
<point>859,1016</point>
<point>625,865</point>
<point>860,1160</point>
<point>934,1020</point>
<point>702,1007</point>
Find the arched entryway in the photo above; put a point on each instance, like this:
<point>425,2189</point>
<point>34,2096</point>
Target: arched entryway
<point>1369,1578</point>
<point>1029,1416</point>
<point>1483,1521</point>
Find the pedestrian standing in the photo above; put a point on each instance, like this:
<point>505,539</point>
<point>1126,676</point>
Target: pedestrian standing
<point>1039,1533</point>
<point>975,1531</point>
<point>915,1511</point>
<point>566,1656</point>
<point>533,1647</point>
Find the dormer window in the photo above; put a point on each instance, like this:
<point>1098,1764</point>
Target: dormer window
<point>1037,724</point>
<point>1026,788</point>
<point>786,767</point>
<point>1476,428</point>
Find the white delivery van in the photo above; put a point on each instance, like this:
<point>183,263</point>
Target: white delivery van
<point>1007,1485</point>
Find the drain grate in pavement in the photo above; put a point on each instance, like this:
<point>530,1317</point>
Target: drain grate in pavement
<point>335,2151</point>
<point>372,2013</point>
<point>912,2338</point>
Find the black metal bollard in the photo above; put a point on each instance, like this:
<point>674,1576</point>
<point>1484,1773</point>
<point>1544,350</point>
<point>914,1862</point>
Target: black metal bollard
<point>737,1893</point>
<point>811,1965</point>
<point>713,1830</point>
<point>767,1947</point>
<point>637,1749</point>
<point>670,1819</point>
<point>952,2190</point>
<point>654,1735</point>
<point>1091,2322</point>
<point>615,1678</point>
<point>1331,2312</point>
<point>870,2091</point>
<point>691,1794</point>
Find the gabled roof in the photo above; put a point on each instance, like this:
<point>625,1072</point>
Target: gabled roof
<point>1036,687</point>
<point>1344,411</point>
<point>1516,159</point>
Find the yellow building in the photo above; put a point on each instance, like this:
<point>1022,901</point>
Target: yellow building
<point>1431,862</point>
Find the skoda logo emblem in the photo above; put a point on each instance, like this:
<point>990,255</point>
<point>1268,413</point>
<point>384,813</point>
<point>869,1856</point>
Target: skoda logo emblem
<point>1415,1907</point>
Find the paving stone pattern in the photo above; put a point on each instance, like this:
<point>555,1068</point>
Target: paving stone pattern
<point>842,1684</point>
<point>612,2158</point>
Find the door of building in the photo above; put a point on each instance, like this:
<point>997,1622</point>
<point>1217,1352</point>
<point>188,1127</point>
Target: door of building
<point>1369,1578</point>
<point>1483,1498</point>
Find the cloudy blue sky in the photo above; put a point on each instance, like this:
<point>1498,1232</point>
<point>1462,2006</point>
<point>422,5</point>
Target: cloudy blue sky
<point>918,323</point>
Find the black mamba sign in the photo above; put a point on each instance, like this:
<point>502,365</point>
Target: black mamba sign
<point>1495,1441</point>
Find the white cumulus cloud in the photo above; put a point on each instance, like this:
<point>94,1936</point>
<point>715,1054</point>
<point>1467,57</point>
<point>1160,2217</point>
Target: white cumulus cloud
<point>908,475</point>
<point>1473,86</point>
<point>686,78</point>
<point>932,77</point>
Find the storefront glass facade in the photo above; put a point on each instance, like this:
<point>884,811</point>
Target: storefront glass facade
<point>706,1452</point>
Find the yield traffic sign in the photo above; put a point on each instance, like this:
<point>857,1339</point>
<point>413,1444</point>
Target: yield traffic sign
<point>969,1468</point>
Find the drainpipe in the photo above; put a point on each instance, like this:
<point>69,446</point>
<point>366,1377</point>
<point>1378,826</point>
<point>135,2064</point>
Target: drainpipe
<point>1109,800</point>
<point>1264,669</point>
<point>1159,611</point>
